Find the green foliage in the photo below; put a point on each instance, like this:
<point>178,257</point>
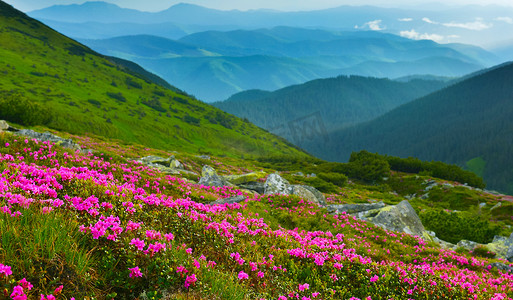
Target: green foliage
<point>94,102</point>
<point>18,109</point>
<point>483,251</point>
<point>476,165</point>
<point>366,166</point>
<point>154,103</point>
<point>117,96</point>
<point>436,169</point>
<point>453,227</point>
<point>335,178</point>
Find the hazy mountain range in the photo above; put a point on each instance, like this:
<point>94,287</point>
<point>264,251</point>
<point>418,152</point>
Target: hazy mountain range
<point>213,65</point>
<point>269,50</point>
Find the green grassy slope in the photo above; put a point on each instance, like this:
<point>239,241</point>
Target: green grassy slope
<point>64,85</point>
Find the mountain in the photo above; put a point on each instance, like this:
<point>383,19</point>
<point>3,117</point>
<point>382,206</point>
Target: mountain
<point>466,122</point>
<point>214,64</point>
<point>142,46</point>
<point>447,24</point>
<point>98,30</point>
<point>48,79</point>
<point>333,103</point>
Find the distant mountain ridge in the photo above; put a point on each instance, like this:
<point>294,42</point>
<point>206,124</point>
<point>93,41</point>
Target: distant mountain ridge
<point>339,102</point>
<point>213,65</point>
<point>446,25</point>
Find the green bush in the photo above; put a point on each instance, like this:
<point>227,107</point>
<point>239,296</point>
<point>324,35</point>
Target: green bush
<point>366,166</point>
<point>483,251</point>
<point>117,96</point>
<point>335,178</point>
<point>454,227</point>
<point>18,109</point>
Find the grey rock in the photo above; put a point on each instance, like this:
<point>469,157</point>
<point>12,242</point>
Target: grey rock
<point>275,184</point>
<point>46,136</point>
<point>468,245</point>
<point>235,199</point>
<point>258,187</point>
<point>501,267</point>
<point>309,194</point>
<point>509,243</point>
<point>245,178</point>
<point>401,217</point>
<point>496,206</point>
<point>354,208</point>
<point>3,126</point>
<point>209,177</point>
<point>170,162</point>
<point>206,157</point>
<point>483,204</point>
<point>321,199</point>
<point>298,174</point>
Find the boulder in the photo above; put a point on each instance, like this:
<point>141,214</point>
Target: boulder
<point>496,206</point>
<point>306,193</point>
<point>258,187</point>
<point>245,178</point>
<point>318,195</point>
<point>234,199</point>
<point>354,208</point>
<point>401,217</point>
<point>47,136</point>
<point>209,177</point>
<point>170,162</point>
<point>4,126</point>
<point>468,245</point>
<point>500,266</point>
<point>499,246</point>
<point>509,244</point>
<point>275,184</point>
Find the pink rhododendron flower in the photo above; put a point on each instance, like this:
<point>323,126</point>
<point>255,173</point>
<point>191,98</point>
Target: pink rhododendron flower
<point>303,287</point>
<point>243,275</point>
<point>135,272</point>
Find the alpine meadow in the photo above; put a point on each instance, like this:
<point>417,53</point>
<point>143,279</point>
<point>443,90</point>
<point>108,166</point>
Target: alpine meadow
<point>351,152</point>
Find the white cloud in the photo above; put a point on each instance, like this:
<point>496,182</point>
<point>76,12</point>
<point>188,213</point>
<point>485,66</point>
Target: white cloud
<point>478,25</point>
<point>427,20</point>
<point>505,19</point>
<point>405,20</point>
<point>414,35</point>
<point>374,25</point>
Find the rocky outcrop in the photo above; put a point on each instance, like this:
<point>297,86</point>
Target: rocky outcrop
<point>4,126</point>
<point>275,184</point>
<point>401,217</point>
<point>468,245</point>
<point>255,186</point>
<point>320,199</point>
<point>354,208</point>
<point>235,199</point>
<point>500,266</point>
<point>245,178</point>
<point>209,177</point>
<point>170,165</point>
<point>46,136</point>
<point>509,244</point>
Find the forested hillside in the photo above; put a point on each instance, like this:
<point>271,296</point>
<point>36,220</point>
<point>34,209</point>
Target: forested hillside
<point>468,123</point>
<point>340,102</point>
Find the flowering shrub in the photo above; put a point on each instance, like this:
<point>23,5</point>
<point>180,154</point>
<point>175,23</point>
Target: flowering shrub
<point>77,225</point>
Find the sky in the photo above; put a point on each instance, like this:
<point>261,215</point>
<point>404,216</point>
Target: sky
<point>285,5</point>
